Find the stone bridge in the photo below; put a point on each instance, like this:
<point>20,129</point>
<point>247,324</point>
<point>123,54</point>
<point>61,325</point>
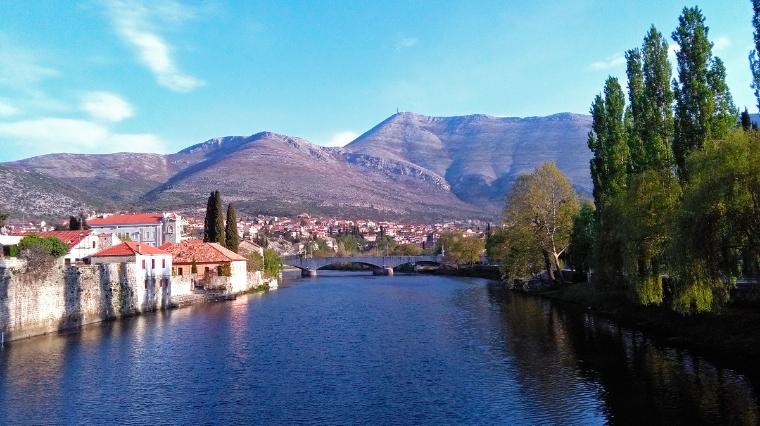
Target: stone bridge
<point>381,265</point>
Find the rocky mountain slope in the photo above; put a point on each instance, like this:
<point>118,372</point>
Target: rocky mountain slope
<point>409,166</point>
<point>479,155</point>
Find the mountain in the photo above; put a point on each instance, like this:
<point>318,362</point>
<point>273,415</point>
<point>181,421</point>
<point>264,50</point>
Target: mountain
<point>409,166</point>
<point>480,156</point>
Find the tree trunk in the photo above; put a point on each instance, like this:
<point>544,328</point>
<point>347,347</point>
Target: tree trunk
<point>559,270</point>
<point>549,269</point>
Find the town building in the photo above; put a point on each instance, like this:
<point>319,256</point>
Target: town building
<point>149,261</point>
<point>211,261</point>
<point>153,229</point>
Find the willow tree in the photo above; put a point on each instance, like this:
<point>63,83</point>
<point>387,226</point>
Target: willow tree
<point>540,212</point>
<point>718,230</point>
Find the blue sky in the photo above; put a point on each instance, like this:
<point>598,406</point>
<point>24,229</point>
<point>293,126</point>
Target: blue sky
<point>104,76</point>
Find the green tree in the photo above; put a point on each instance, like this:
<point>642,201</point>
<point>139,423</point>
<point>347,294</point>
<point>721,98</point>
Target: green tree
<point>209,231</point>
<point>461,250</point>
<point>656,126</point>
<point>582,238</point>
<point>634,116</point>
<point>608,142</point>
<point>232,237</point>
<point>718,226</point>
<point>74,223</point>
<point>746,120</point>
<point>51,246</point>
<point>542,206</point>
<point>218,221</point>
<point>3,218</point>
<point>754,55</point>
<point>406,250</point>
<point>272,263</point>
<point>704,108</point>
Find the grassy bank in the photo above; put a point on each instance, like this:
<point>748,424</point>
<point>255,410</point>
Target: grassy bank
<point>731,338</point>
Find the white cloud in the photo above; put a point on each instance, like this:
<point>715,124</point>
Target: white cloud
<point>406,42</point>
<point>6,110</point>
<point>106,106</point>
<point>341,138</point>
<point>613,61</point>
<point>20,68</point>
<point>79,136</point>
<point>136,24</point>
<point>721,43</point>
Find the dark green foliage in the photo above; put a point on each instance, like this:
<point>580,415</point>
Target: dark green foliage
<point>607,141</point>
<point>219,219</point>
<point>754,55</point>
<point>74,223</point>
<point>49,245</point>
<point>746,120</point>
<point>656,127</point>
<point>582,238</point>
<point>225,270</point>
<point>635,111</point>
<point>209,234</point>
<point>272,263</point>
<point>3,218</point>
<point>231,234</point>
<point>704,108</point>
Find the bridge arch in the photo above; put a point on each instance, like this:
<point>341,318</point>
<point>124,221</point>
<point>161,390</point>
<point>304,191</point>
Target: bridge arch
<point>384,264</point>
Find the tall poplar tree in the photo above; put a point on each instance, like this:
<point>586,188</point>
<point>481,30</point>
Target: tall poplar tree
<point>635,111</point>
<point>233,239</point>
<point>703,101</point>
<point>607,141</point>
<point>657,125</point>
<point>754,55</point>
<point>218,220</point>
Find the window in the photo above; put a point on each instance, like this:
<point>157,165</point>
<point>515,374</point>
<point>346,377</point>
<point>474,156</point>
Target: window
<point>143,264</point>
<point>93,244</point>
<point>153,264</point>
<point>179,271</point>
<point>163,263</point>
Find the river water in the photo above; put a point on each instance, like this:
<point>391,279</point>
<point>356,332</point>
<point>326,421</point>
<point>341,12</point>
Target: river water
<point>351,348</point>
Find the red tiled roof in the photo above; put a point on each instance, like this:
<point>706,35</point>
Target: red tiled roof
<point>130,248</point>
<point>196,250</point>
<point>126,219</point>
<point>70,238</point>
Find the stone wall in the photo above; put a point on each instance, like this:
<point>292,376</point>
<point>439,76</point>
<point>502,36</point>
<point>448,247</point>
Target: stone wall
<point>33,303</point>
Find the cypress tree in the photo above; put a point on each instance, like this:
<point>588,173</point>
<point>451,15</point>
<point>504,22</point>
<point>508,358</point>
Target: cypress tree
<point>74,223</point>
<point>233,239</point>
<point>657,126</point>
<point>209,234</point>
<point>704,107</point>
<point>746,120</point>
<point>754,55</point>
<point>218,220</point>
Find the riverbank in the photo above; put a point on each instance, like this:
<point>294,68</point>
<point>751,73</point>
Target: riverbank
<point>731,337</point>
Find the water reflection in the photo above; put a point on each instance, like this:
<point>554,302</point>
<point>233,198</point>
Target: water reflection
<point>638,381</point>
<point>362,349</point>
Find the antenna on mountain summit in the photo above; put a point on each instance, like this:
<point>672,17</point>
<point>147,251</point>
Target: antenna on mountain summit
<point>396,110</point>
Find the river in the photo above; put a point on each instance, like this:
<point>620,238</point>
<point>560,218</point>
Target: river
<point>352,348</point>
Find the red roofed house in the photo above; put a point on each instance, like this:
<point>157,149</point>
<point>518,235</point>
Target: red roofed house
<point>81,244</point>
<point>150,261</point>
<point>153,229</point>
<point>211,260</point>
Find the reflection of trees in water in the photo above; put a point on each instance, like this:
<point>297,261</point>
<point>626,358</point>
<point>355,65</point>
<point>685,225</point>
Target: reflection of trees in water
<point>640,381</point>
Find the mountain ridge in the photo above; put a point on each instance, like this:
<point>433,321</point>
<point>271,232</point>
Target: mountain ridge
<point>409,165</point>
